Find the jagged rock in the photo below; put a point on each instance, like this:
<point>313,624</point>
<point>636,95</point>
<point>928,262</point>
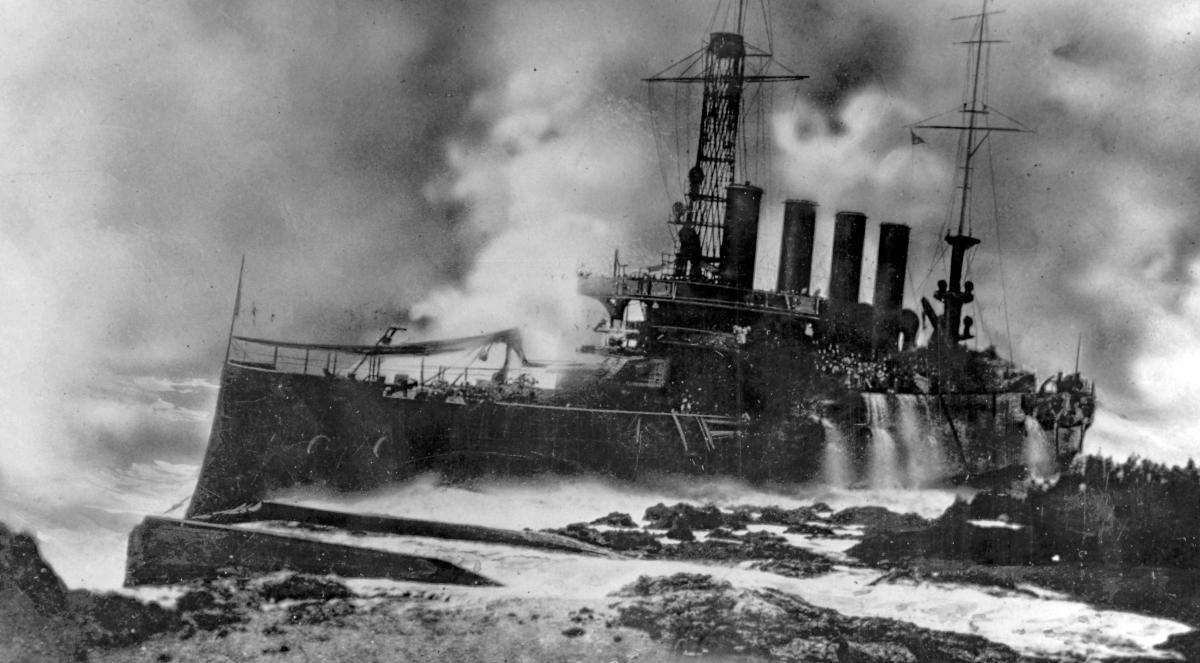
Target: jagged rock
<point>877,517</point>
<point>1186,644</point>
<point>700,615</point>
<point>954,536</point>
<point>739,516</point>
<point>661,516</point>
<point>111,620</point>
<point>582,532</point>
<point>680,531</point>
<point>886,547</point>
<point>812,529</point>
<point>998,506</point>
<point>754,545</point>
<point>879,651</point>
<point>795,568</point>
<point>210,607</point>
<point>736,519</point>
<point>317,612</point>
<point>35,621</point>
<point>766,539</point>
<point>615,519</point>
<point>633,541</point>
<point>817,650</point>
<point>792,517</point>
<point>722,533</point>
<point>303,587</point>
<point>23,568</point>
<point>657,585</point>
<point>620,540</point>
<point>40,620</point>
<point>707,550</point>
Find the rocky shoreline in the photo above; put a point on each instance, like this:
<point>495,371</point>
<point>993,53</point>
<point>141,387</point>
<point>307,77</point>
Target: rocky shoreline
<point>285,616</point>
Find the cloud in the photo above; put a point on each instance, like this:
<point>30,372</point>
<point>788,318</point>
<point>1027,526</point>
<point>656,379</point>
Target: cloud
<point>149,146</point>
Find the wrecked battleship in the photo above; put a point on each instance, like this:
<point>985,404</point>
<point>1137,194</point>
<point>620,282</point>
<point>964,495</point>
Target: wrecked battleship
<point>695,370</point>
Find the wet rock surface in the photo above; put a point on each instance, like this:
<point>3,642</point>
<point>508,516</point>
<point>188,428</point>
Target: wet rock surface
<point>1060,538</point>
<point>680,531</point>
<point>813,530</point>
<point>302,587</point>
<point>282,614</point>
<point>40,620</point>
<point>317,612</point>
<point>625,541</point>
<point>661,516</point>
<point>791,517</point>
<point>795,568</point>
<point>685,525</point>
<point>616,519</point>
<point>704,616</point>
<point>26,572</point>
<point>752,545</point>
<point>993,529</point>
<point>878,518</point>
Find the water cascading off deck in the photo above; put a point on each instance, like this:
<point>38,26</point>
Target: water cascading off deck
<point>1039,457</point>
<point>922,446</point>
<point>883,457</point>
<point>904,447</point>
<point>836,468</point>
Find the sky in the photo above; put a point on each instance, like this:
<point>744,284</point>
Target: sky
<point>453,164</point>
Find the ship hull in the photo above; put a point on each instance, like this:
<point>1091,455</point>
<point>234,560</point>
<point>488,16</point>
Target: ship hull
<point>277,430</point>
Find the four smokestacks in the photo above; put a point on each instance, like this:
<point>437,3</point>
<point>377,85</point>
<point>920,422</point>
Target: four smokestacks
<point>739,248</point>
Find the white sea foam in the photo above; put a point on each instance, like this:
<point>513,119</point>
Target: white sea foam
<point>1038,626</point>
<point>85,542</point>
<point>836,469</point>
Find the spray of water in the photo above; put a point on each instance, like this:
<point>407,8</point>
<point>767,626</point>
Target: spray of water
<point>922,449</point>
<point>1036,449</point>
<point>883,456</point>
<point>835,463</point>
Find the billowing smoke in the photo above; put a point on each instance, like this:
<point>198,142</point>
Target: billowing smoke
<point>457,162</point>
<point>148,147</point>
<point>559,175</point>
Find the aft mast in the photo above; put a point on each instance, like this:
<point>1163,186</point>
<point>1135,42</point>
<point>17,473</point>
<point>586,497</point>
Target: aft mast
<point>975,130</point>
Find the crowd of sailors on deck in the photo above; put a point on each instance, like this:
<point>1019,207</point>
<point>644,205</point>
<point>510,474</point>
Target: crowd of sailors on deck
<point>857,372</point>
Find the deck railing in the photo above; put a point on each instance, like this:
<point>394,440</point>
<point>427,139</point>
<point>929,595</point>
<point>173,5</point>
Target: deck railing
<point>413,371</point>
<point>651,288</point>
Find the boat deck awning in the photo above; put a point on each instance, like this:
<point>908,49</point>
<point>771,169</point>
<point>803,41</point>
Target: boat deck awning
<point>510,337</point>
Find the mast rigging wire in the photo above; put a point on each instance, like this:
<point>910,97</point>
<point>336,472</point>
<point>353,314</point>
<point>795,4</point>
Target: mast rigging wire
<point>1000,256</point>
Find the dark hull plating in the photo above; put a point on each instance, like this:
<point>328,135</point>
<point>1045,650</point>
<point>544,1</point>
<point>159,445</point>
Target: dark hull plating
<point>275,430</point>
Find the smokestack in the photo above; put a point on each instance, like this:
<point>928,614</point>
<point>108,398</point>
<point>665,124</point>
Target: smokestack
<point>796,247</point>
<point>741,234</point>
<point>889,268</point>
<point>849,231</point>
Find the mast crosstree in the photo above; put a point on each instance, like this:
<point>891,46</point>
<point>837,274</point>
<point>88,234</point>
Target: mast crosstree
<point>975,130</point>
